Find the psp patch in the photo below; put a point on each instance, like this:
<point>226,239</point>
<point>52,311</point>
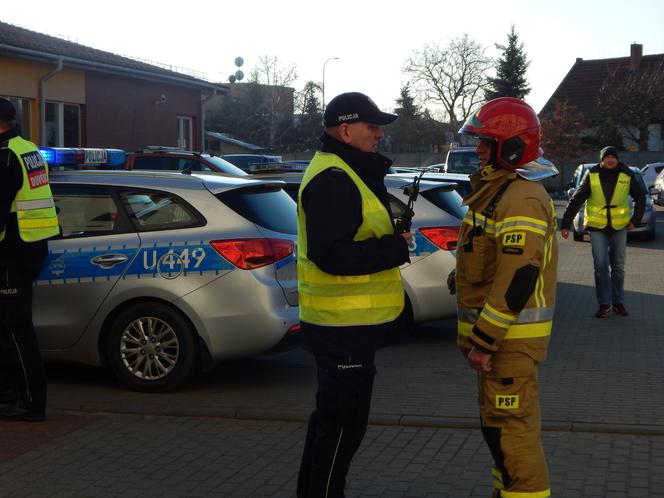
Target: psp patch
<point>507,401</point>
<point>35,168</point>
<point>516,239</point>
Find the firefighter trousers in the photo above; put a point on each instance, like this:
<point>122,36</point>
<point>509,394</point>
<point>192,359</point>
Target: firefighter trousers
<point>511,426</point>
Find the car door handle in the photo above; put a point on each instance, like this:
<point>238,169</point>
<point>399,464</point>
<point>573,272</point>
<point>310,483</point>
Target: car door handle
<point>107,261</point>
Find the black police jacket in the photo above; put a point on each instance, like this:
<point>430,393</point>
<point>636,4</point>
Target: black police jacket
<point>333,206</point>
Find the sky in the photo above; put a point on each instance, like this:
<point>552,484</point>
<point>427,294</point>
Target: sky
<point>372,39</point>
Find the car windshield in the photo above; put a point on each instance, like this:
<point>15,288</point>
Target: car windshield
<point>265,205</point>
<point>465,162</point>
<point>226,167</point>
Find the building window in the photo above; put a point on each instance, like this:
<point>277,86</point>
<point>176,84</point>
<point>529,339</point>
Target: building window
<point>22,107</point>
<point>62,125</point>
<point>184,129</point>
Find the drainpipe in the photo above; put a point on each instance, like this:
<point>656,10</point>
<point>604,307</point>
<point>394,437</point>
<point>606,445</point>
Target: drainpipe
<point>203,101</point>
<point>42,100</point>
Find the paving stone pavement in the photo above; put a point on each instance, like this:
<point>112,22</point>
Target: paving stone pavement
<point>239,431</point>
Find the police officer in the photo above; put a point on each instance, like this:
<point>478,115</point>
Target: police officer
<point>27,219</point>
<point>350,291</point>
<point>606,188</point>
<point>505,286</point>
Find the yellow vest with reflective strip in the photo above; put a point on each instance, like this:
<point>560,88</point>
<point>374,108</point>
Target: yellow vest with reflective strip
<point>595,213</point>
<point>33,205</point>
<point>345,300</point>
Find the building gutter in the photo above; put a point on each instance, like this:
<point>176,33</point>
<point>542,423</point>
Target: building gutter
<point>42,99</point>
<point>203,101</point>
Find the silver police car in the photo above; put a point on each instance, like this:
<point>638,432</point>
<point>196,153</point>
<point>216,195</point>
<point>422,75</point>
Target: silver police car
<point>158,274</point>
<point>437,216</point>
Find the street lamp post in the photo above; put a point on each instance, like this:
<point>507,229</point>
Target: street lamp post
<point>323,86</point>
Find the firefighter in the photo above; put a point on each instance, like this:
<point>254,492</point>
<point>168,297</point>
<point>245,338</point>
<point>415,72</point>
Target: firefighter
<point>505,285</point>
<point>27,220</point>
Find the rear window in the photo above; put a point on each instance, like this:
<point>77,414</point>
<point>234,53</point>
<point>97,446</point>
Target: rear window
<point>465,162</point>
<point>447,200</point>
<point>266,206</point>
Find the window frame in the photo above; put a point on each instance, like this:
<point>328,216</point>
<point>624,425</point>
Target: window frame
<point>198,219</point>
<point>122,222</point>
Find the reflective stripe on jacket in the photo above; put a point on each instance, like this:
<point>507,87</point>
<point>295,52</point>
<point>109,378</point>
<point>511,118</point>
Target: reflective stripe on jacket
<point>491,255</point>
<point>595,214</point>
<point>341,300</point>
<point>33,205</point>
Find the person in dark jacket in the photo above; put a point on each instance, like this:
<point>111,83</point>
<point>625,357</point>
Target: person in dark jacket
<point>350,292</point>
<point>605,190</point>
<point>27,220</point>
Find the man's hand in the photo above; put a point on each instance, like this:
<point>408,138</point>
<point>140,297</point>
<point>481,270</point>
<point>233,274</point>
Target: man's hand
<point>479,360</point>
<point>451,282</point>
<point>631,226</point>
<point>564,232</point>
<point>407,236</point>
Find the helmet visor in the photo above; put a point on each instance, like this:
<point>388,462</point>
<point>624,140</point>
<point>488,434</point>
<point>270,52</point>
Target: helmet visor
<point>473,125</point>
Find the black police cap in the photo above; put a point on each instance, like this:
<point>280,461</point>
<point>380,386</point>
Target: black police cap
<point>352,107</point>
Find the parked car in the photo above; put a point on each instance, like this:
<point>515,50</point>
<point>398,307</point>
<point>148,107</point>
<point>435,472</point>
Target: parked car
<point>461,182</point>
<point>174,159</point>
<point>438,215</point>
<point>160,274</point>
<point>646,229</point>
<point>154,158</point>
<point>659,189</point>
<point>650,172</point>
<point>252,162</point>
<point>462,160</point>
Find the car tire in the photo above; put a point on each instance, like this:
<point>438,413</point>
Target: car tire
<point>152,347</point>
<point>578,237</point>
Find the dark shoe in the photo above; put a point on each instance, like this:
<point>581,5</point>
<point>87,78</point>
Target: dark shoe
<point>619,309</point>
<point>603,311</point>
<point>17,413</point>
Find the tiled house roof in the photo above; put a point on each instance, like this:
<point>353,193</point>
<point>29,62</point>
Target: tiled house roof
<point>581,85</point>
<point>21,42</point>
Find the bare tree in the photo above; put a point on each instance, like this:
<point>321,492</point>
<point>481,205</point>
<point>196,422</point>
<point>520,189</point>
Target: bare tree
<point>453,77</point>
<point>276,78</point>
<point>632,100</point>
<point>561,135</point>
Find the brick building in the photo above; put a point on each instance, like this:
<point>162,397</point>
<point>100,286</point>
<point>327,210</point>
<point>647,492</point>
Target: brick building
<point>69,94</point>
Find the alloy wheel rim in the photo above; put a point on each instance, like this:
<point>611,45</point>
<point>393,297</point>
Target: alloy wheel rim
<point>149,348</point>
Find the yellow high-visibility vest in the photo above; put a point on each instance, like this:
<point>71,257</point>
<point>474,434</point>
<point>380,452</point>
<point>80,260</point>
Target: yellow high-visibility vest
<point>595,213</point>
<point>33,205</point>
<point>345,300</point>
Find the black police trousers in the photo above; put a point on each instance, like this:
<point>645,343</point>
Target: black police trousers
<point>21,367</point>
<point>337,425</point>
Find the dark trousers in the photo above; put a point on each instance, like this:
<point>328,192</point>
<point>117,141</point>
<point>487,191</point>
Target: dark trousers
<point>337,425</point>
<point>21,365</point>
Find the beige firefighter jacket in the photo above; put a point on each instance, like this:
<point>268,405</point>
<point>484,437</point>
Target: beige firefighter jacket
<point>506,266</point>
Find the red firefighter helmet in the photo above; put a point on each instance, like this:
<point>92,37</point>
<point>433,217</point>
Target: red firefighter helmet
<point>512,125</point>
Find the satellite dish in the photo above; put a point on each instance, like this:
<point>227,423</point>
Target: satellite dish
<point>239,75</point>
<point>239,61</point>
<point>231,78</point>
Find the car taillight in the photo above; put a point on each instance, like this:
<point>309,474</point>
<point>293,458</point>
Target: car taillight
<point>253,253</point>
<point>443,237</point>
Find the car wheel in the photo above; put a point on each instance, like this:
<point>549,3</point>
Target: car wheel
<point>151,347</point>
<point>578,237</point>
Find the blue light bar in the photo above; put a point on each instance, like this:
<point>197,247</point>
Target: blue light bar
<point>70,156</point>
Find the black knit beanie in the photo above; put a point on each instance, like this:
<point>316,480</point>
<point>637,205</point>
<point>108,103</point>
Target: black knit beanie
<point>608,151</point>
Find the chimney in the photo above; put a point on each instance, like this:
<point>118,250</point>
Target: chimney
<point>636,52</point>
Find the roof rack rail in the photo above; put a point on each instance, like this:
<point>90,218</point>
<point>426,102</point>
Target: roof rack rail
<point>163,148</point>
